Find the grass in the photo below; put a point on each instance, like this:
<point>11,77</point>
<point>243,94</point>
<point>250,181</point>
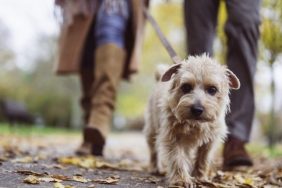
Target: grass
<point>265,151</point>
<point>27,130</point>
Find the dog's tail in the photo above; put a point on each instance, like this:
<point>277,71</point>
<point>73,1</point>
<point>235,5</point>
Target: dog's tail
<point>160,70</point>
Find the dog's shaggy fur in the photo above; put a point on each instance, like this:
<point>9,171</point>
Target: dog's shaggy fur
<point>185,119</point>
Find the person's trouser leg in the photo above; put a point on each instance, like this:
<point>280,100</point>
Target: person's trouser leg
<point>86,78</point>
<point>200,21</point>
<point>242,30</point>
<point>109,62</point>
<point>86,82</point>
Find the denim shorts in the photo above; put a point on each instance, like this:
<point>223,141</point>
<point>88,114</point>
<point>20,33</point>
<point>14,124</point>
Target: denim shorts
<point>111,22</point>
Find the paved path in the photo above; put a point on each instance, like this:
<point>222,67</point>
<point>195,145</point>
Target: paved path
<point>21,157</point>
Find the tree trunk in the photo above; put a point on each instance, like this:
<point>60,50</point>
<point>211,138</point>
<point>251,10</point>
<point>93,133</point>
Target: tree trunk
<point>272,120</point>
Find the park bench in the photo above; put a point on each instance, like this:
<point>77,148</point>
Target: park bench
<point>15,112</point>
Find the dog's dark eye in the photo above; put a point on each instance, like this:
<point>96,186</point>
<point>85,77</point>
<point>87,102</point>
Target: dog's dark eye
<point>211,90</point>
<point>186,88</point>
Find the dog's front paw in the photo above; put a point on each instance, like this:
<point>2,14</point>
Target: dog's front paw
<point>178,183</point>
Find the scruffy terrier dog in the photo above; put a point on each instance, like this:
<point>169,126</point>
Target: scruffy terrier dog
<point>185,119</point>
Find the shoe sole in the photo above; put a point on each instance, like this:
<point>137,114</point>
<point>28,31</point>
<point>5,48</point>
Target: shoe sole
<point>238,162</point>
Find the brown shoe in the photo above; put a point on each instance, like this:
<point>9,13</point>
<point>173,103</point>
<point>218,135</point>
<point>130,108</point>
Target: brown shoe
<point>235,154</point>
<point>93,143</point>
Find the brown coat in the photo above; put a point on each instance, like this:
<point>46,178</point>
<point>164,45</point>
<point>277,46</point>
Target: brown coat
<point>73,39</point>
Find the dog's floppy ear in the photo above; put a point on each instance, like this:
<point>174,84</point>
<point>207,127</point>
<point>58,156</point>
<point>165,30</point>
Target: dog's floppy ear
<point>234,82</point>
<point>172,70</point>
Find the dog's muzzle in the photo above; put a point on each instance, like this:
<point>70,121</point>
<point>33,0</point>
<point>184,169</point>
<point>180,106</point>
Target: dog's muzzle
<point>197,110</point>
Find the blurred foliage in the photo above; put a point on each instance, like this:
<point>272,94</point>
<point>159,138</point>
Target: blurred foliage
<point>45,95</point>
<point>264,151</point>
<point>271,38</point>
<point>6,54</point>
<point>271,29</point>
<point>220,53</point>
<point>271,35</point>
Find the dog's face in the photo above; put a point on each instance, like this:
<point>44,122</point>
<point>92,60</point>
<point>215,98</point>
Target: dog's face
<point>199,89</point>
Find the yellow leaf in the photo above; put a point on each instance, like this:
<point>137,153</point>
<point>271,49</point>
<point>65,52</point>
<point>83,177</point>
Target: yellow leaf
<point>88,162</point>
<point>58,185</point>
<point>249,181</point>
<point>49,179</point>
<point>239,178</point>
<point>108,180</point>
<point>85,162</point>
<point>69,160</point>
<point>27,159</point>
<point>105,165</point>
<point>60,177</point>
<point>3,159</point>
<point>31,180</point>
<point>80,179</point>
<point>69,186</point>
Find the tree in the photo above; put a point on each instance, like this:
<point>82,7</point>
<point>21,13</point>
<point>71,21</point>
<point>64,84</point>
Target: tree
<point>6,53</point>
<point>271,37</point>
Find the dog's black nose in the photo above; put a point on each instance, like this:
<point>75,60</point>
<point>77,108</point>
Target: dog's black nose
<point>197,110</point>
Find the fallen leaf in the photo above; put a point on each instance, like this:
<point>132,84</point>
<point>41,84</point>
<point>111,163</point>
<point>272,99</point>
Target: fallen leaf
<point>205,183</point>
<point>58,185</point>
<point>60,177</point>
<point>91,162</point>
<point>69,160</point>
<point>31,180</point>
<point>28,172</point>
<point>87,162</point>
<point>39,157</point>
<point>80,179</point>
<point>11,151</point>
<point>57,166</point>
<point>49,179</point>
<point>3,159</point>
<point>239,178</point>
<point>249,181</point>
<point>106,165</point>
<point>27,159</point>
<point>221,185</point>
<point>108,180</point>
<point>129,165</point>
<point>84,162</point>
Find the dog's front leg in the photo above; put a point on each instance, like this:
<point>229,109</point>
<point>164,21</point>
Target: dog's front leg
<point>203,159</point>
<point>153,155</point>
<point>178,166</point>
